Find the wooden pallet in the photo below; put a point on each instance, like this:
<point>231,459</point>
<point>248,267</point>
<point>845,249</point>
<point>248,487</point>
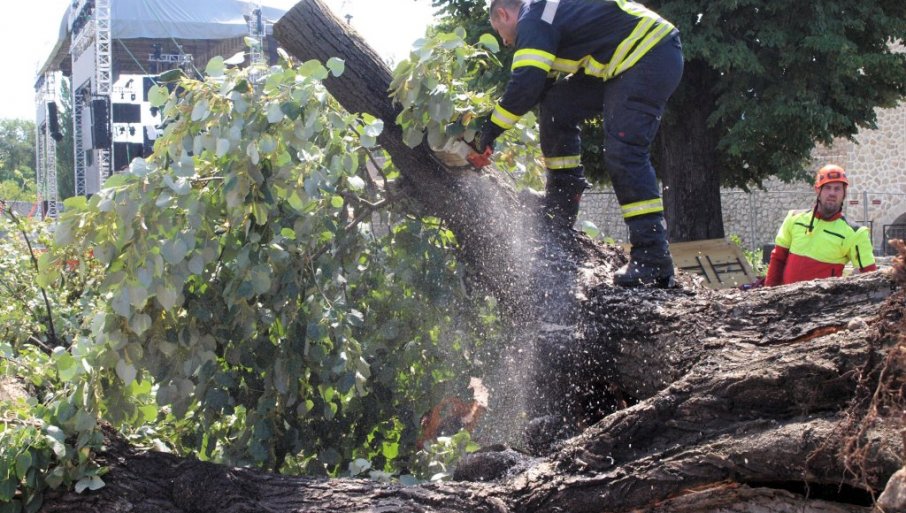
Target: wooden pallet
<point>721,263</point>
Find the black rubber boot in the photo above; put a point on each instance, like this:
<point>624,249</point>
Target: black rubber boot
<point>563,193</point>
<point>650,263</point>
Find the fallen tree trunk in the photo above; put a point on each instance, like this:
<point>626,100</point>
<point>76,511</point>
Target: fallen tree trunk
<point>691,399</point>
<point>757,423</point>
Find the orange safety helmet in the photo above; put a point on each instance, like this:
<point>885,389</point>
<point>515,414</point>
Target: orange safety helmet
<point>829,174</point>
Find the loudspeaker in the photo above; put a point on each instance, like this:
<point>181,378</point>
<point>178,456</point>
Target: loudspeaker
<point>123,153</point>
<point>127,113</point>
<point>100,124</point>
<point>53,121</point>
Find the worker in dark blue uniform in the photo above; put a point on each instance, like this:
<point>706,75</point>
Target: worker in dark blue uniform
<point>580,59</point>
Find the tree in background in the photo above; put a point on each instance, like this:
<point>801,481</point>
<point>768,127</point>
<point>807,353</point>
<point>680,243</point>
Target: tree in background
<point>65,147</point>
<point>17,160</point>
<point>764,82</point>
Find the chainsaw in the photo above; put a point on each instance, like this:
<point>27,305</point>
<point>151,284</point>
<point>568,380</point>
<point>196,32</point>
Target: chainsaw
<point>458,153</point>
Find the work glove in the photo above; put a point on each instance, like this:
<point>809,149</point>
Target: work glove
<point>486,138</point>
<point>485,147</point>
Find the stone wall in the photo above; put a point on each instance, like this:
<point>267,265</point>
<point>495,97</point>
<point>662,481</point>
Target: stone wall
<point>875,164</point>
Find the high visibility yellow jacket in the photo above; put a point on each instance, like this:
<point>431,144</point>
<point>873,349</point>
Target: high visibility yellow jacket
<point>602,38</point>
<point>808,247</point>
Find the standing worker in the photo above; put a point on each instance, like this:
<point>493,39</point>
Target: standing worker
<point>818,243</point>
<point>619,59</point>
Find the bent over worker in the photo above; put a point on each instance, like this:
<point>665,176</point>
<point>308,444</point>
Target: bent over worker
<point>620,60</point>
<point>818,243</point>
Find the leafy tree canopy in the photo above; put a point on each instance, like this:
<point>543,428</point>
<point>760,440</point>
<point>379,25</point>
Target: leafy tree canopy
<point>786,75</point>
<point>17,151</point>
<point>774,78</point>
<point>250,294</point>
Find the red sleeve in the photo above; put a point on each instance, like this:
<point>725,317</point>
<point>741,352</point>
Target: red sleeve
<point>869,268</point>
<point>775,268</point>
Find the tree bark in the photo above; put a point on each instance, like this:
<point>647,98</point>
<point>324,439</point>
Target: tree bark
<point>686,160</point>
<point>479,208</point>
<point>691,400</point>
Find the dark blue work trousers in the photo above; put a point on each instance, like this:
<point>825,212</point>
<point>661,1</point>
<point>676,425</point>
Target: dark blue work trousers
<point>632,104</point>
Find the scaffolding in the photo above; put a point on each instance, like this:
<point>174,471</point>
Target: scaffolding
<point>257,33</point>
<point>97,50</point>
<point>78,143</point>
<point>46,148</point>
<point>91,30</point>
<point>103,78</point>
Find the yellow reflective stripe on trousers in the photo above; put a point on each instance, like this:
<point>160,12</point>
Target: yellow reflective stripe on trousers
<point>503,118</point>
<point>642,207</point>
<point>566,162</point>
<point>537,58</point>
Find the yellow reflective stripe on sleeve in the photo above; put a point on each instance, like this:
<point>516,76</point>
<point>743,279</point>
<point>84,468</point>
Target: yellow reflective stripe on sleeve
<point>567,162</point>
<point>643,48</point>
<point>636,9</point>
<point>537,58</point>
<point>503,118</point>
<point>642,207</point>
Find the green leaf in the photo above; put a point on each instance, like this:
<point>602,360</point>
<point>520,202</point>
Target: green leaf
<point>355,183</point>
<point>242,86</point>
<point>590,229</point>
<point>172,75</point>
<point>8,491</point>
<point>84,421</point>
<point>196,264</point>
<point>274,113</point>
<point>358,466</point>
<point>126,371</point>
<point>158,96</point>
<point>259,212</point>
<point>56,438</point>
<point>67,366</point>
<point>489,42</point>
<point>75,203</point>
<point>174,251</point>
<point>313,69</point>
<point>92,483</point>
<point>267,144</point>
<point>336,66</point>
<point>200,110</point>
<point>261,279</point>
<point>375,128</point>
<point>223,147</point>
<point>23,463</point>
<point>336,201</point>
<point>121,303</point>
<point>291,109</point>
<point>140,323</point>
<point>215,67</point>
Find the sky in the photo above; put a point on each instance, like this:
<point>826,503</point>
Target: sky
<point>29,30</point>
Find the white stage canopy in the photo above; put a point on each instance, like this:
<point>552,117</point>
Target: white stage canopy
<point>165,19</point>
